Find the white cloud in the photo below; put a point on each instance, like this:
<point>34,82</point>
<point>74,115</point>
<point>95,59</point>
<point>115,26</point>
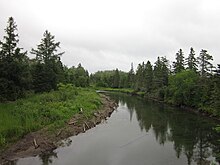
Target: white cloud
<point>109,34</point>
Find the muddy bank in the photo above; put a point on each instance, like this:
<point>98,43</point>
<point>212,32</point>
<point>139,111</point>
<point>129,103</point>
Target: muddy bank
<point>44,141</point>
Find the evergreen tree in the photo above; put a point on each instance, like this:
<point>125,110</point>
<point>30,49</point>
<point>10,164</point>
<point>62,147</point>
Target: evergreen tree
<point>160,73</point>
<point>191,61</point>
<point>131,76</point>
<point>81,77</point>
<point>149,76</point>
<point>165,70</point>
<point>116,79</point>
<point>48,60</point>
<point>204,62</point>
<point>179,64</point>
<point>216,92</point>
<point>140,77</point>
<point>14,69</point>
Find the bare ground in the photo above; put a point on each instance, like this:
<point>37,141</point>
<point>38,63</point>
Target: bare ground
<point>44,141</point>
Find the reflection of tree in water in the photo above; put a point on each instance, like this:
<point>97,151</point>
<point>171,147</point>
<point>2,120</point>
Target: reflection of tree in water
<point>125,100</point>
<point>191,135</point>
<point>47,158</point>
<point>14,162</point>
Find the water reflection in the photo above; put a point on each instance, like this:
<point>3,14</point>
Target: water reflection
<point>191,135</point>
<point>47,158</point>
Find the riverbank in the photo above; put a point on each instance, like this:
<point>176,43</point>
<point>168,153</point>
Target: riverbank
<point>46,140</point>
<point>51,109</point>
<point>145,96</point>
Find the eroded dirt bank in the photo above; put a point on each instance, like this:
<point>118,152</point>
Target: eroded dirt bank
<point>44,141</point>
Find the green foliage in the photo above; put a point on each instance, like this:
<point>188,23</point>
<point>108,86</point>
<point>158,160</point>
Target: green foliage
<point>116,79</point>
<point>149,76</point>
<point>77,76</point>
<point>178,65</point>
<point>110,79</point>
<point>217,128</point>
<point>204,62</point>
<point>161,72</point>
<point>140,77</point>
<point>47,70</point>
<point>131,78</point>
<point>215,93</point>
<point>48,109</point>
<point>122,90</point>
<point>191,61</point>
<point>14,68</point>
<point>182,89</point>
<point>2,140</point>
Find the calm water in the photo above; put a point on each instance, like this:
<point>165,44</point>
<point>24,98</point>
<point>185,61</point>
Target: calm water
<point>139,133</point>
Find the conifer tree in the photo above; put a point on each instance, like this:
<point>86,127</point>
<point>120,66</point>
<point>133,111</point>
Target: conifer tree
<point>178,65</point>
<point>148,76</point>
<point>48,60</point>
<point>14,68</point>
<point>131,76</point>
<point>191,61</point>
<point>116,79</point>
<point>140,77</point>
<point>204,62</point>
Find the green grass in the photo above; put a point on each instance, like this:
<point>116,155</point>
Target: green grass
<point>122,90</point>
<point>51,109</point>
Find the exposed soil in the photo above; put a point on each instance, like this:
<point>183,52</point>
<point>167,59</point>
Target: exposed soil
<point>44,141</point>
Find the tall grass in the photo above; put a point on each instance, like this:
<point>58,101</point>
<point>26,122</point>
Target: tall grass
<point>40,110</point>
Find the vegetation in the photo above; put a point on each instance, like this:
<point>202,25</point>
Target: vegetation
<point>193,82</point>
<point>33,94</point>
<point>47,69</point>
<point>77,76</point>
<point>47,109</point>
<point>112,79</point>
<point>19,74</point>
<point>14,74</point>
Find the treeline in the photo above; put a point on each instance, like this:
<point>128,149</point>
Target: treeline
<point>111,78</point>
<point>19,74</point>
<point>191,81</point>
<point>188,81</point>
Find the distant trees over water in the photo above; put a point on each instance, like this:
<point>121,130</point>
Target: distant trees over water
<point>188,81</point>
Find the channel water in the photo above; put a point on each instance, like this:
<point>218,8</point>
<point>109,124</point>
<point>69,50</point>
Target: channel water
<point>139,133</point>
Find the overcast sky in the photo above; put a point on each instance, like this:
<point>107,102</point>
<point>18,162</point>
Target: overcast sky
<point>109,34</point>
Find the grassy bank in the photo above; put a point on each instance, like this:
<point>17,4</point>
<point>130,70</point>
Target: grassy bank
<point>158,96</point>
<point>123,90</point>
<point>51,109</point>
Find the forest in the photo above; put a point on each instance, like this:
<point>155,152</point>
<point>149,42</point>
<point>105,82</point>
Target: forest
<point>190,81</point>
<point>187,82</point>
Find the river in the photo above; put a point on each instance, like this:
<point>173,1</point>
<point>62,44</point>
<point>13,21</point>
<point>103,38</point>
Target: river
<point>139,133</point>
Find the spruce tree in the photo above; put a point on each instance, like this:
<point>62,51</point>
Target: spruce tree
<point>157,72</point>
<point>131,76</point>
<point>148,76</point>
<point>204,62</point>
<point>191,61</point>
<point>47,58</point>
<point>14,69</point>
<point>178,65</point>
<point>116,79</point>
<point>140,77</point>
<point>165,70</point>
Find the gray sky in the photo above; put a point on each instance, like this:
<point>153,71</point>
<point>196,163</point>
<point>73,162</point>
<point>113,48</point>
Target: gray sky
<point>109,34</point>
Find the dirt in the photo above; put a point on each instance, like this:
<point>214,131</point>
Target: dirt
<point>44,141</point>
